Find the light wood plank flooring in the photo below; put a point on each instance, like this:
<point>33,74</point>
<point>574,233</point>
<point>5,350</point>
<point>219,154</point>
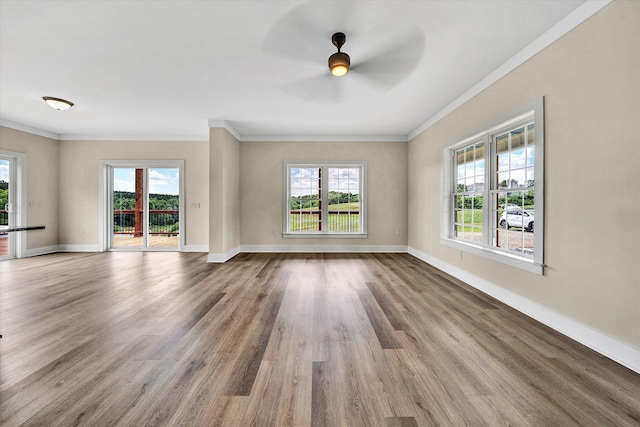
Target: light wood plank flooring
<point>142,339</point>
<point>4,245</point>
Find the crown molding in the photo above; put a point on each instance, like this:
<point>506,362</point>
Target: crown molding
<point>304,138</point>
<point>29,129</point>
<point>100,137</point>
<point>324,138</point>
<point>568,23</point>
<point>117,137</point>
<point>225,125</point>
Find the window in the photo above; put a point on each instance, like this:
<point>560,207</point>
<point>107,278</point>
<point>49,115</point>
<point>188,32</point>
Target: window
<point>325,199</point>
<point>494,191</point>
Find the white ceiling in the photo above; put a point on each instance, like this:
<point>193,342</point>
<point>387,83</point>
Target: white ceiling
<point>146,69</point>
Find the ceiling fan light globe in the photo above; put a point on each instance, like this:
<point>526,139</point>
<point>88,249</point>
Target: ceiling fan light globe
<point>339,70</point>
<point>339,63</point>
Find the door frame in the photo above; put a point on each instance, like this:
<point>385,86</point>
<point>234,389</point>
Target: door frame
<point>18,196</point>
<point>106,199</point>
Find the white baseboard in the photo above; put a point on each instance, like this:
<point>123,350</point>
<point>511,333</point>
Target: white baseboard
<point>610,347</point>
<point>42,251</point>
<point>220,258</point>
<point>95,248</point>
<point>61,248</point>
<point>323,248</point>
<point>195,248</point>
<point>79,248</point>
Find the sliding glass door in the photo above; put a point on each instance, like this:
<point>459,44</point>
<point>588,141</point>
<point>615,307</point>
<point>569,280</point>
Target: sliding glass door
<point>145,207</point>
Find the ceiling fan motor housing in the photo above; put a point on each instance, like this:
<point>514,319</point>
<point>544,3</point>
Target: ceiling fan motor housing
<point>339,62</point>
<point>338,39</point>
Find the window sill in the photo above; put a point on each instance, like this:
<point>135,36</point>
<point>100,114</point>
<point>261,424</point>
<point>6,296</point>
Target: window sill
<point>325,235</point>
<point>512,260</point>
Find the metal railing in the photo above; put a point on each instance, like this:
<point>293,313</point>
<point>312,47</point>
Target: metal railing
<point>309,220</point>
<point>165,222</point>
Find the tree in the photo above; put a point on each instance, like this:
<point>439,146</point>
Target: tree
<point>4,198</point>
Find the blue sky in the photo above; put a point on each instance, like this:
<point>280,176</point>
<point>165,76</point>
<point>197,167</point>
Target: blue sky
<point>516,165</point>
<point>304,181</point>
<point>4,170</point>
<point>161,181</point>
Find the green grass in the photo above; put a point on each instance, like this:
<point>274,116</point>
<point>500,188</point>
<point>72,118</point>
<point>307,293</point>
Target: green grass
<point>343,222</point>
<point>353,206</point>
<point>340,223</point>
<point>468,217</point>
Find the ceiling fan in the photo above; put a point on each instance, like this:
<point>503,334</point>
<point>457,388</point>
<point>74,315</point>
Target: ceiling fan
<point>339,62</point>
<point>379,56</point>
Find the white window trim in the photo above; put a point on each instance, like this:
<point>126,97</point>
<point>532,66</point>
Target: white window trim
<point>288,164</point>
<point>535,265</point>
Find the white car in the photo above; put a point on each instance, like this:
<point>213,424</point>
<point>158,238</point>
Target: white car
<point>516,217</point>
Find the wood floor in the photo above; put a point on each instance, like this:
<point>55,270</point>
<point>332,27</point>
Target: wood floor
<point>4,245</point>
<point>142,339</point>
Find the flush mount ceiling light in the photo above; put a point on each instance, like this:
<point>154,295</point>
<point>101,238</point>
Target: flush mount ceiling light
<point>339,62</point>
<point>57,103</point>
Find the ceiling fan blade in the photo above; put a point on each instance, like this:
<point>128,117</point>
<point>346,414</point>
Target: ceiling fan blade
<point>322,88</point>
<point>393,62</point>
<point>304,33</point>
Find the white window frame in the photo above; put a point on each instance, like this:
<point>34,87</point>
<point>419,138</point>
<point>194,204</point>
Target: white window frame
<point>533,112</point>
<point>289,164</point>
